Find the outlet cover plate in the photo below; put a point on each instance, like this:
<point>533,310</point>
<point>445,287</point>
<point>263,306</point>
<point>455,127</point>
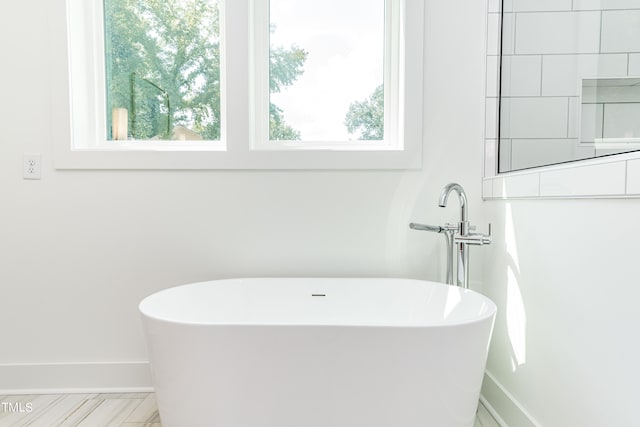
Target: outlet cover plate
<point>31,166</point>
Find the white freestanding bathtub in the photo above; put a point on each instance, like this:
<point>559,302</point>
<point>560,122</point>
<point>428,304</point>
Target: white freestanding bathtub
<point>317,353</point>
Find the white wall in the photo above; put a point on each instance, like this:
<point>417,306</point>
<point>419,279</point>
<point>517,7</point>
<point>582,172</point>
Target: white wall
<point>562,272</point>
<point>79,250</point>
<point>564,276</point>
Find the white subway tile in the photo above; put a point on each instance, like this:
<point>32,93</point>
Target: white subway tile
<point>562,74</point>
<point>535,118</point>
<point>574,118</point>
<point>498,187</point>
<point>634,64</point>
<point>493,34</point>
<point>490,157</point>
<point>590,95</point>
<point>610,94</point>
<point>505,117</point>
<point>526,185</point>
<point>529,153</point>
<point>633,176</point>
<point>591,122</point>
<point>622,120</point>
<point>491,116</point>
<point>557,32</point>
<point>509,33</point>
<point>521,75</point>
<point>620,31</point>
<point>494,6</point>
<point>607,152</point>
<point>487,188</point>
<point>605,4</point>
<point>540,5</point>
<point>493,74</point>
<point>606,179</point>
<point>504,156</point>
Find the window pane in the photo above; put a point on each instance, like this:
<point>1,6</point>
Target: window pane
<point>327,70</point>
<point>162,69</point>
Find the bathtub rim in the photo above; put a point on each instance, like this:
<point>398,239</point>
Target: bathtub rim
<point>490,314</point>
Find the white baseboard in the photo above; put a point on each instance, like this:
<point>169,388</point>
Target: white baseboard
<point>492,411</point>
<point>89,377</point>
<point>503,406</point>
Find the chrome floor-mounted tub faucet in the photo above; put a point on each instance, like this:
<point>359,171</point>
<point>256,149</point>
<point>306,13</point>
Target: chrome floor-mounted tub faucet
<point>458,237</point>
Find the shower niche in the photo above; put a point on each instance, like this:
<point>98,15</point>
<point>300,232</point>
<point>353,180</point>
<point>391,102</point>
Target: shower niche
<point>610,115</point>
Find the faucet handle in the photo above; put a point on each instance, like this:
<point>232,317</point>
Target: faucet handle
<point>424,227</point>
<point>474,228</point>
<point>475,238</point>
<point>486,239</point>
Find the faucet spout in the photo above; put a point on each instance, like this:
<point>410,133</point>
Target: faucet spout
<point>444,196</point>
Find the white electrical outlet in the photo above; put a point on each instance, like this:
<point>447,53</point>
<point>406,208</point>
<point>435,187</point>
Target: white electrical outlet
<point>31,166</point>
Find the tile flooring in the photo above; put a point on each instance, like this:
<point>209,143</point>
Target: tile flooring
<point>102,410</point>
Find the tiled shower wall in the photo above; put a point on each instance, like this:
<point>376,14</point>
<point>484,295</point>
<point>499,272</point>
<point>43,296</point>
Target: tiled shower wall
<point>549,45</point>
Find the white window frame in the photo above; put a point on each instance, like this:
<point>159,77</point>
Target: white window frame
<point>393,66</point>
<point>79,116</point>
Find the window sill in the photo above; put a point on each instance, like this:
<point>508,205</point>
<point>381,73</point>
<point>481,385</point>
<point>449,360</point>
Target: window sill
<point>211,159</point>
